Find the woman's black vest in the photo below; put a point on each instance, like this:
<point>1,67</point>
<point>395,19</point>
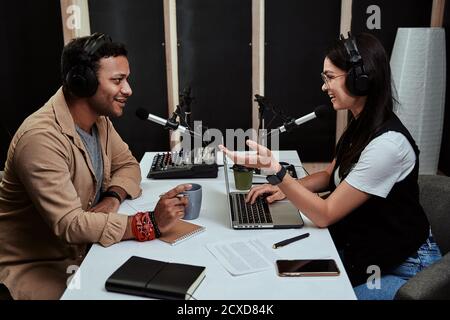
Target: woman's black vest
<point>382,231</point>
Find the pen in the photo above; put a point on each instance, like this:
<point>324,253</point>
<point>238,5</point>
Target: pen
<point>288,241</point>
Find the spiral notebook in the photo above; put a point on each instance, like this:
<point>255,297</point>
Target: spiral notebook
<point>183,230</point>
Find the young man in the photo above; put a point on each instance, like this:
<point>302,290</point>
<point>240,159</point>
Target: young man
<point>67,172</point>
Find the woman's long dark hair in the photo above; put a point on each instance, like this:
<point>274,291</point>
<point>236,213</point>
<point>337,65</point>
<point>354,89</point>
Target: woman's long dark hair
<point>380,98</point>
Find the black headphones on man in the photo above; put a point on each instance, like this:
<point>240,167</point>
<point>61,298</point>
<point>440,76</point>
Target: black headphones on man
<point>82,79</point>
<point>357,80</point>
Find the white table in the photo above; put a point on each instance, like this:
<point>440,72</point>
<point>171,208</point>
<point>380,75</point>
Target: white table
<point>100,263</point>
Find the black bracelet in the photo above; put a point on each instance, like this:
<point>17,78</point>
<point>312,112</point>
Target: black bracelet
<point>112,194</point>
<point>155,226</point>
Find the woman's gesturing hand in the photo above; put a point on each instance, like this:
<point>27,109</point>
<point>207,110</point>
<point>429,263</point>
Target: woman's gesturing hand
<point>263,158</point>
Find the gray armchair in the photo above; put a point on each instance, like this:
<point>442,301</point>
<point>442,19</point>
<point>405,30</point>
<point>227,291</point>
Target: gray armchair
<point>434,281</point>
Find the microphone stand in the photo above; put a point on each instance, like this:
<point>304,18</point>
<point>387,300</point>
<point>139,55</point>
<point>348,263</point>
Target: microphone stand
<point>261,110</point>
<point>172,122</point>
<point>288,122</point>
<point>185,103</point>
<point>184,111</point>
<point>261,126</point>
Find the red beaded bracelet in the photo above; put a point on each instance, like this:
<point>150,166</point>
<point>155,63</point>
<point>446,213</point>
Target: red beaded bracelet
<point>142,227</point>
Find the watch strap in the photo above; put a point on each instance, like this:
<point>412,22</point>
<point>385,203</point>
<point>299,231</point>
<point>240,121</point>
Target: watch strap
<point>112,194</point>
<point>278,177</point>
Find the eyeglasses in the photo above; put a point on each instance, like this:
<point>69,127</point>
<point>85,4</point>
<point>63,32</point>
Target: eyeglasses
<point>327,79</point>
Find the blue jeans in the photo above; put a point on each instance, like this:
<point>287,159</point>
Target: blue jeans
<point>390,282</point>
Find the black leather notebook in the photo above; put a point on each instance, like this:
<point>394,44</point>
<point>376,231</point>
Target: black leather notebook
<point>156,279</point>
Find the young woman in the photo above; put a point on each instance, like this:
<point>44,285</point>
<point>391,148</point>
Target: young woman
<point>373,210</point>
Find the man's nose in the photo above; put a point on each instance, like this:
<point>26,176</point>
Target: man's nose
<point>126,89</point>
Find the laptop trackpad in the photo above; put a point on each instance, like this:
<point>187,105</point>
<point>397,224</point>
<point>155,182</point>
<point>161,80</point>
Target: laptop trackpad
<point>285,213</point>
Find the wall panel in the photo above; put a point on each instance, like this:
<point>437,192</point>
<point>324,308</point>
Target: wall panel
<point>297,35</point>
<point>140,25</point>
<point>214,59</point>
<point>444,161</point>
<point>32,42</point>
<point>394,14</point>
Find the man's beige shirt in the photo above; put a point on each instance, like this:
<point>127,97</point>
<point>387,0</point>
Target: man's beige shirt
<point>45,196</point>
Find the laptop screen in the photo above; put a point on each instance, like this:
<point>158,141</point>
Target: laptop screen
<point>225,170</point>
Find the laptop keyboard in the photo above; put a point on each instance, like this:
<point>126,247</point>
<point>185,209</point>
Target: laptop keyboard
<point>257,212</point>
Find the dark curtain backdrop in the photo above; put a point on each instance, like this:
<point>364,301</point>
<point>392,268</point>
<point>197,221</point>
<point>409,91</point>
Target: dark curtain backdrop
<point>215,60</point>
<point>297,35</point>
<point>140,25</point>
<point>32,41</point>
<point>444,161</point>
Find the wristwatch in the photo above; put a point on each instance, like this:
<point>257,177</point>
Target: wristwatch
<point>112,194</point>
<point>275,179</point>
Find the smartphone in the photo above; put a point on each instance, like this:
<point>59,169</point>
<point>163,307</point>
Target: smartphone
<point>307,268</point>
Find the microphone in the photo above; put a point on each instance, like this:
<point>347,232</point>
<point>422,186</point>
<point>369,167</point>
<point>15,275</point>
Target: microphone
<point>143,114</point>
<point>321,111</point>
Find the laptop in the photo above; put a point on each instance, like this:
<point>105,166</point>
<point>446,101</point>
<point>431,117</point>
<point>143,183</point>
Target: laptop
<point>279,215</point>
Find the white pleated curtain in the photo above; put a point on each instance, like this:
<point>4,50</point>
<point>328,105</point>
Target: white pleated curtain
<point>418,64</point>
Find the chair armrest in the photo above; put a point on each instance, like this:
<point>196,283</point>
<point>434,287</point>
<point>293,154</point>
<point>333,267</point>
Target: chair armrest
<point>429,284</point>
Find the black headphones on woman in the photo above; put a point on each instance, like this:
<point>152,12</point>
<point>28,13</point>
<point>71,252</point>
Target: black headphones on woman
<point>357,80</point>
<point>82,79</point>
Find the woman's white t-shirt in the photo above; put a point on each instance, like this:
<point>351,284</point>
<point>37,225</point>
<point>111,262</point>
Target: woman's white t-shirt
<point>386,160</point>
